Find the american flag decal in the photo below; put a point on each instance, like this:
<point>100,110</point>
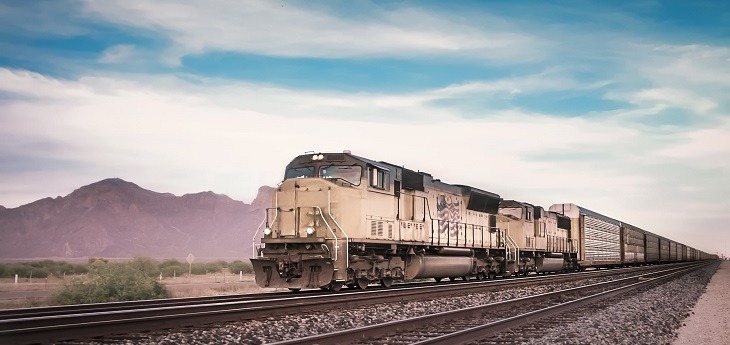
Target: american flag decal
<point>448,214</point>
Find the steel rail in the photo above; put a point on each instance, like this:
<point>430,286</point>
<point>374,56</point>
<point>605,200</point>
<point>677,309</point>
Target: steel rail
<point>483,331</point>
<point>74,326</point>
<point>398,326</point>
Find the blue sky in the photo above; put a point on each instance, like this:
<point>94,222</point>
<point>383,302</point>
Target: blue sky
<point>619,107</point>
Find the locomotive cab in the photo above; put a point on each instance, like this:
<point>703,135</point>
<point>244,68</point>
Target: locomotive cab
<point>304,243</point>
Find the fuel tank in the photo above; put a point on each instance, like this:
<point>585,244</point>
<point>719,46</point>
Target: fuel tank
<point>548,264</point>
<point>438,266</point>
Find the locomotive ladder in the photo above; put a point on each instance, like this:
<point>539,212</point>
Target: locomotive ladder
<point>511,248</point>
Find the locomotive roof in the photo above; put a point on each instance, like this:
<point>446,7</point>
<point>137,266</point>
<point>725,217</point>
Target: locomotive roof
<point>514,203</point>
<point>397,172</point>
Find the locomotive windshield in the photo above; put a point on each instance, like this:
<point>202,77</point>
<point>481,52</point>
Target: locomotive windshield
<point>299,172</point>
<point>349,173</point>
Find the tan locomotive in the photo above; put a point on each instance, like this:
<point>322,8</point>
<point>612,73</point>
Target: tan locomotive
<point>339,219</point>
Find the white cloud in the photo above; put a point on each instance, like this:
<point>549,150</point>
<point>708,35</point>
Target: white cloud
<point>118,53</point>
<point>268,28</point>
<point>672,98</point>
<point>704,147</point>
<point>692,64</point>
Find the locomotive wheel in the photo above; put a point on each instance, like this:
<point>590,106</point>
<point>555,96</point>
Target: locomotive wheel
<point>386,282</point>
<point>335,286</point>
<point>491,275</point>
<point>363,283</point>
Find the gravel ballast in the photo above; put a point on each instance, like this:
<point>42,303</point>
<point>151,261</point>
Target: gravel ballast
<point>648,317</point>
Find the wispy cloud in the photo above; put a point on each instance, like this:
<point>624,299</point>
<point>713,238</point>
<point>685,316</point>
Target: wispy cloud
<point>308,30</point>
<point>118,53</point>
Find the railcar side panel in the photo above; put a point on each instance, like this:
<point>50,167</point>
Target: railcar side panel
<point>633,245</point>
<point>663,249</point>
<point>652,247</point>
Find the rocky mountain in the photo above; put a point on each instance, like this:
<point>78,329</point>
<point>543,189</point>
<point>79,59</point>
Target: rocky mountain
<point>114,218</point>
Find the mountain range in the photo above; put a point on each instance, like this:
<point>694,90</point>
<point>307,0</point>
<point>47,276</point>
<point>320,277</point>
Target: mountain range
<point>114,218</point>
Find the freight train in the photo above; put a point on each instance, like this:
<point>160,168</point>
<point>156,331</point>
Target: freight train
<point>338,219</point>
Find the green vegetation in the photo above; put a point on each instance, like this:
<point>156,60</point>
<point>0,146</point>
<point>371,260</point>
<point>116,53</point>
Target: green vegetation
<point>110,282</point>
<point>240,266</point>
<point>40,269</point>
<point>148,266</point>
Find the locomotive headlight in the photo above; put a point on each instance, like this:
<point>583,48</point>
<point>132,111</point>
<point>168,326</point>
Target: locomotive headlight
<point>315,157</point>
<point>310,230</point>
<point>267,231</point>
<point>320,157</point>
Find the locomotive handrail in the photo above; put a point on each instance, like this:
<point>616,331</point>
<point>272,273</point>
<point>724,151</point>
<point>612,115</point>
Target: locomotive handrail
<point>266,218</point>
<point>514,244</point>
<point>437,236</point>
<point>347,238</point>
<point>321,214</point>
<point>253,242</point>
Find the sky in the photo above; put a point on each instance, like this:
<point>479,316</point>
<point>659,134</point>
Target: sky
<point>620,107</point>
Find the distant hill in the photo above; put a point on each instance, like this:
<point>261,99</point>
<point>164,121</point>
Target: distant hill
<point>116,219</point>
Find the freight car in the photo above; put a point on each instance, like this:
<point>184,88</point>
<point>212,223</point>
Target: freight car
<point>339,219</point>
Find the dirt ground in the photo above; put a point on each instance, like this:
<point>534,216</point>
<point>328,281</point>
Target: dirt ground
<point>709,322</point>
<point>39,291</point>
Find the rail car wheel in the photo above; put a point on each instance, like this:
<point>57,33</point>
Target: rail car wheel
<point>386,282</point>
<point>363,283</point>
<point>465,278</point>
<point>438,280</point>
<point>452,278</point>
<point>335,286</point>
<point>491,275</point>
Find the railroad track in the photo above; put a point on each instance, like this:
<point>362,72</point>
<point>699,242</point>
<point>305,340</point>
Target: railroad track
<point>7,314</point>
<point>58,323</point>
<point>480,322</point>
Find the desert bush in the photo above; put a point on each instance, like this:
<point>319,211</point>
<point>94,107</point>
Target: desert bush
<point>40,269</point>
<point>110,282</point>
<point>146,265</point>
<point>240,266</point>
<point>92,260</point>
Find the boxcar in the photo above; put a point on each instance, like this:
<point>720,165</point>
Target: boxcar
<point>663,249</point>
<point>632,245</point>
<point>652,247</point>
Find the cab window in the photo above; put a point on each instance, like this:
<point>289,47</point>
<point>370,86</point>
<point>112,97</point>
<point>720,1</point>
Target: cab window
<point>379,179</point>
<point>299,172</point>
<point>349,173</point>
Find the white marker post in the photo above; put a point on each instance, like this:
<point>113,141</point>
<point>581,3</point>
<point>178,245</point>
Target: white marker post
<point>240,276</point>
<point>16,280</point>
